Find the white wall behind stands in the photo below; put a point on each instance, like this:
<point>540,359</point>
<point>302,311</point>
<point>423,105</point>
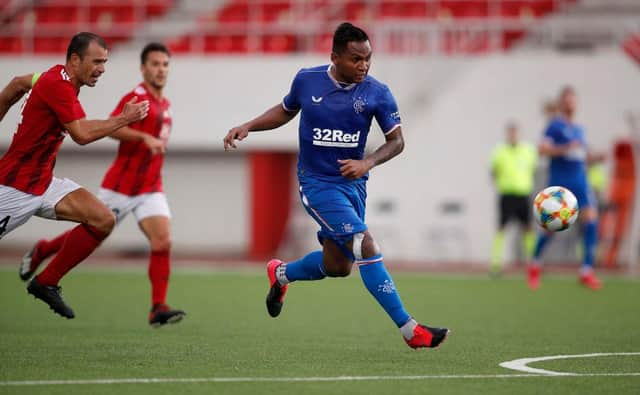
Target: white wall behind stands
<point>434,202</point>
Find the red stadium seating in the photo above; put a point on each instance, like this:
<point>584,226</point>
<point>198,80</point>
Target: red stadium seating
<point>11,45</point>
<point>244,10</point>
<point>525,8</point>
<point>241,26</point>
<point>464,9</point>
<point>50,23</point>
<point>240,14</point>
<point>405,9</point>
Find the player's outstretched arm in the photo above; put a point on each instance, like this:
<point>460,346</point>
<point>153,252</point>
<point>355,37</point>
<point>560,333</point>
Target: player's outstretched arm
<point>125,133</point>
<point>273,118</point>
<point>548,148</point>
<point>15,89</point>
<point>394,144</point>
<point>84,131</point>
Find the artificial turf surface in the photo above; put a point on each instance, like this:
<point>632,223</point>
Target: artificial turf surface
<point>328,329</point>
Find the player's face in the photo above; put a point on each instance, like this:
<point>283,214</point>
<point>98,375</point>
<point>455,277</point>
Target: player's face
<point>512,135</point>
<point>156,69</point>
<point>568,101</point>
<point>91,66</point>
<point>352,65</point>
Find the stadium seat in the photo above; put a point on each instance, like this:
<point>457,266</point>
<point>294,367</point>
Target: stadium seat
<point>50,45</point>
<point>156,8</point>
<point>224,43</point>
<point>464,8</point>
<point>11,45</point>
<point>180,45</point>
<point>404,9</point>
<point>525,8</point>
<point>278,43</point>
<point>57,14</point>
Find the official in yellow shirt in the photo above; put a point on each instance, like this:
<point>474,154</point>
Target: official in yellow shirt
<point>513,166</point>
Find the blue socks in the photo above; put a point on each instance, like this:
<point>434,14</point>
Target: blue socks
<point>308,268</point>
<point>543,239</point>
<point>380,284</point>
<point>374,275</point>
<point>590,240</point>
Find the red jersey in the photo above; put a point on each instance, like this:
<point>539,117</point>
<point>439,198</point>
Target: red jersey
<point>135,170</point>
<point>51,103</point>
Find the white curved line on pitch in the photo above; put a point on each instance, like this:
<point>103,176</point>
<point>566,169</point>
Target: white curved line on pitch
<point>521,364</point>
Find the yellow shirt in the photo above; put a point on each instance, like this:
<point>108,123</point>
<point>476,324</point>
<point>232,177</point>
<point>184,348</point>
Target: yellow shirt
<point>514,168</point>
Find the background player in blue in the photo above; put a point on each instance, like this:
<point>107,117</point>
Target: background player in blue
<point>337,103</point>
<point>564,143</point>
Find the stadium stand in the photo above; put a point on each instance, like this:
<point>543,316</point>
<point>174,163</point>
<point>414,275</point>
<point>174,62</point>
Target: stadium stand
<point>274,26</point>
<point>43,27</point>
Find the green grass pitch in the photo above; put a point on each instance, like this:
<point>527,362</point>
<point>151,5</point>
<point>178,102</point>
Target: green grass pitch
<point>328,329</point>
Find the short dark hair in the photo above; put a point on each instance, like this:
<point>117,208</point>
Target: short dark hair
<point>566,89</point>
<point>346,33</point>
<point>80,42</point>
<point>152,47</point>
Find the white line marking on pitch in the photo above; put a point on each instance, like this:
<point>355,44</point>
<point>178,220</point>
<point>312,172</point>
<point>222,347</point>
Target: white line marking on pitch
<point>521,364</point>
<point>295,379</point>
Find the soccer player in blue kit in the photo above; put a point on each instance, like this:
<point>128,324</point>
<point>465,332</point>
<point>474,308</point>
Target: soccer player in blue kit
<point>564,143</point>
<point>337,103</point>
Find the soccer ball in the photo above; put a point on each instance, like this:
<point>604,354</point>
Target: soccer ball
<point>555,208</point>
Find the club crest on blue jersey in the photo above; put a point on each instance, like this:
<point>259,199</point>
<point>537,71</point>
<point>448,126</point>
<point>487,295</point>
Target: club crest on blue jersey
<point>358,105</point>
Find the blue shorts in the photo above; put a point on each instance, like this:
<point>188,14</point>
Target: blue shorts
<point>584,193</point>
<point>339,208</point>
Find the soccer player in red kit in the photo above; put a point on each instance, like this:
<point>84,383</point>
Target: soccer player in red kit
<point>133,183</point>
<point>27,185</point>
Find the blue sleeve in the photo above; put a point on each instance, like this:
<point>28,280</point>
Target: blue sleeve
<point>291,101</point>
<point>386,112</point>
<point>553,132</point>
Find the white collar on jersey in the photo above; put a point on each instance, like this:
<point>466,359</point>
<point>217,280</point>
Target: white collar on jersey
<point>336,82</point>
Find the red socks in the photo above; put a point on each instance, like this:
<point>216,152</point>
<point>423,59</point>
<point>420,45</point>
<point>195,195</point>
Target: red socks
<point>159,270</point>
<point>78,244</point>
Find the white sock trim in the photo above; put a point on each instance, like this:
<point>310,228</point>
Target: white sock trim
<point>281,274</point>
<point>407,329</point>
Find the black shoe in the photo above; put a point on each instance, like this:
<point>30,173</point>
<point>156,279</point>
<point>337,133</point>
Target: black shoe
<point>51,295</point>
<point>162,314</point>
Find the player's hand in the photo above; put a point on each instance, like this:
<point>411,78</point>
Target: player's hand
<point>155,145</point>
<point>133,111</point>
<point>353,168</point>
<point>237,133</point>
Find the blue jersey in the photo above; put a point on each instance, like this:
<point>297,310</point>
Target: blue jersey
<point>335,119</point>
<point>570,167</point>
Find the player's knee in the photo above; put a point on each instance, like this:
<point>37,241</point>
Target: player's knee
<point>589,214</point>
<point>161,243</point>
<point>104,221</point>
<point>369,247</point>
<point>342,269</point>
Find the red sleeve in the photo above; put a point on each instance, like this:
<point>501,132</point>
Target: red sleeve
<point>62,98</point>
